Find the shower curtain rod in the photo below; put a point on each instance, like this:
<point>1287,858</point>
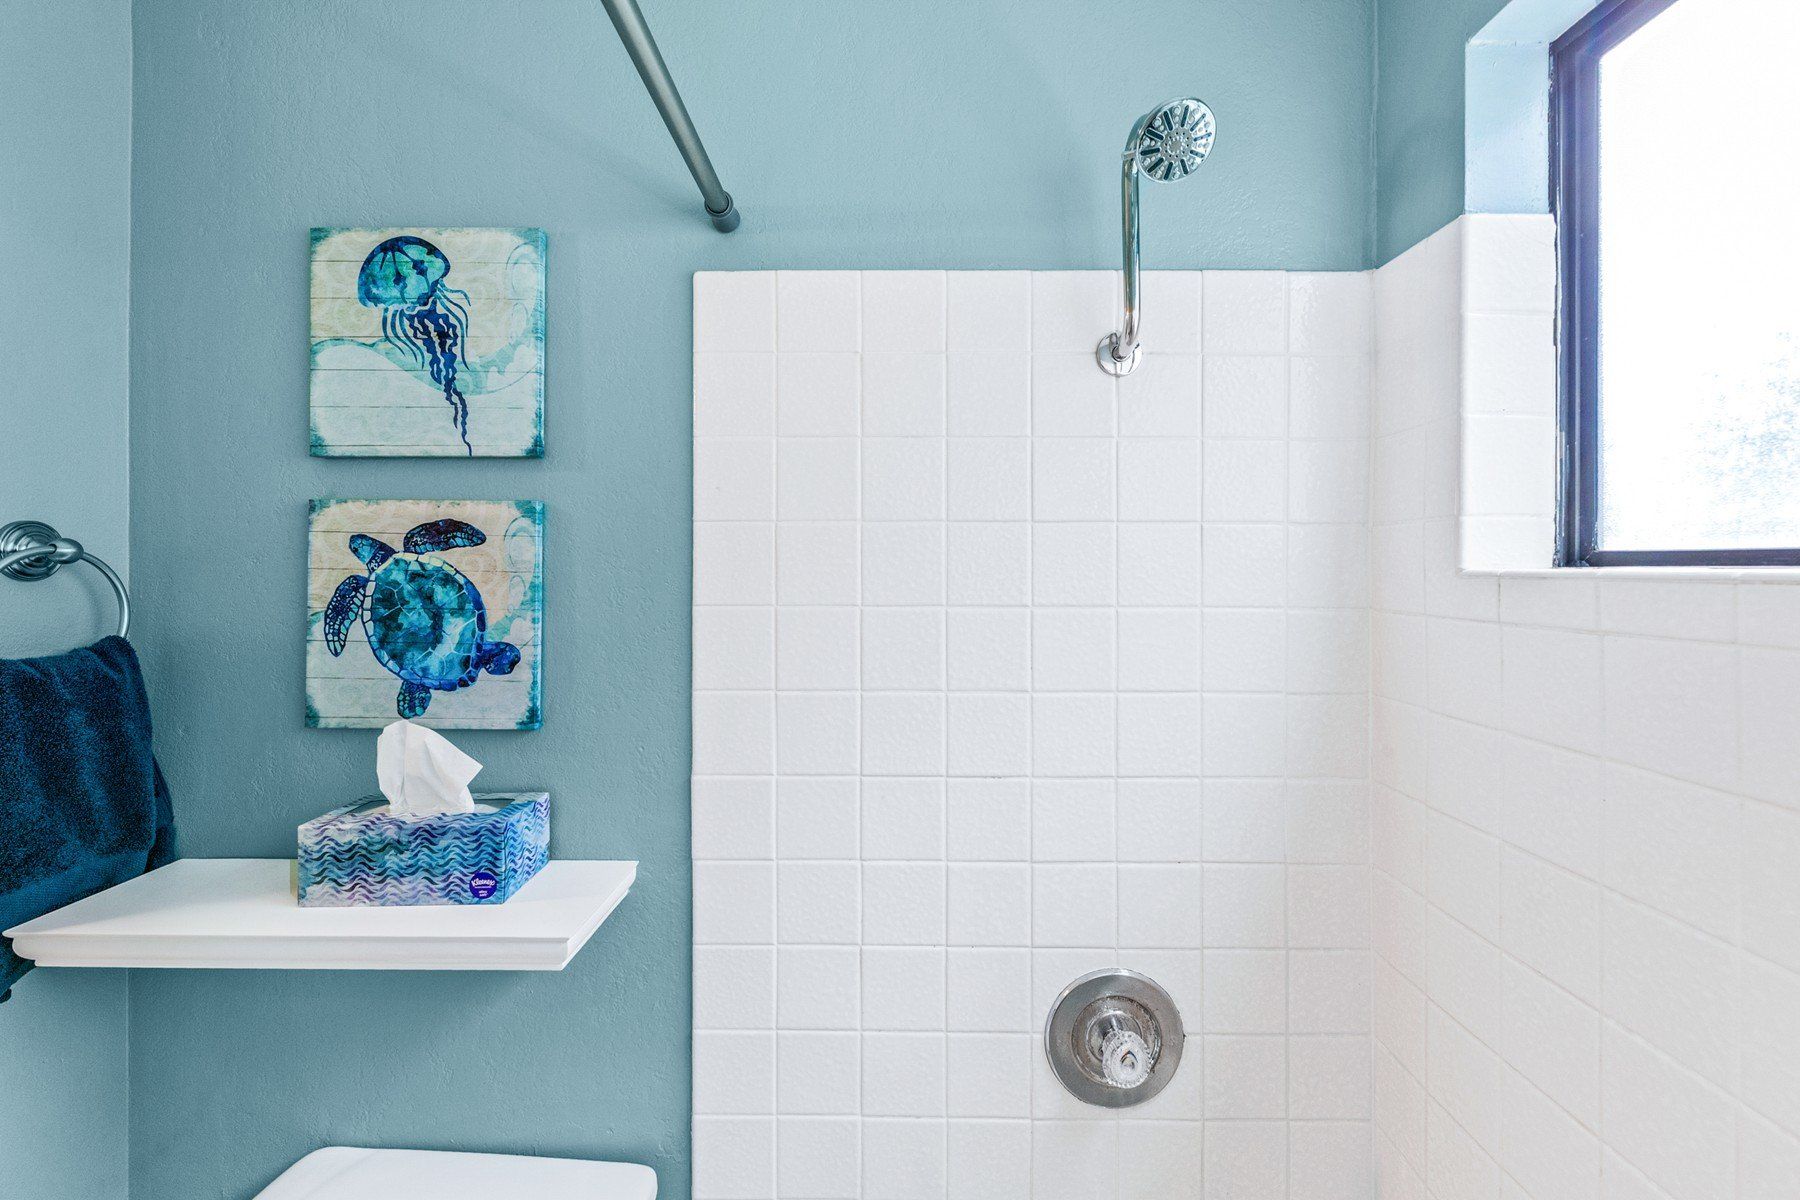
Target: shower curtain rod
<point>648,60</point>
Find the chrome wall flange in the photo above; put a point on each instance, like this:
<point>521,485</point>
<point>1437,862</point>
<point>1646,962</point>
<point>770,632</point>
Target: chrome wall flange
<point>1114,1038</point>
<point>1110,362</point>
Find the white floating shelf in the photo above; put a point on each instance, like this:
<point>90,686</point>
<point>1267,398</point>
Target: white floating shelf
<point>241,913</point>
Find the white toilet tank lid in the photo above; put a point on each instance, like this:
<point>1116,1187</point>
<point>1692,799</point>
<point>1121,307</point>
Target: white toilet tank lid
<point>348,1173</point>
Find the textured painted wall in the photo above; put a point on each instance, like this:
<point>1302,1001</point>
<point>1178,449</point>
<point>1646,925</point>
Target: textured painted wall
<point>63,1086</point>
<point>65,232</point>
<point>1419,116</point>
<point>929,134</point>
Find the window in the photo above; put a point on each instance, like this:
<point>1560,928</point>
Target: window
<point>1676,184</point>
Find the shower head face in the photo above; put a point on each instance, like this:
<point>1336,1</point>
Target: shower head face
<point>1172,141</point>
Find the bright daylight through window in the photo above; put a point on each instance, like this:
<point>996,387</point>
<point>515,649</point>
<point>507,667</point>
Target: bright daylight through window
<point>1678,205</point>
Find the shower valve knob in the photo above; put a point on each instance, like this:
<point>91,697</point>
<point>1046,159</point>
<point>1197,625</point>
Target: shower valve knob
<point>1125,1059</point>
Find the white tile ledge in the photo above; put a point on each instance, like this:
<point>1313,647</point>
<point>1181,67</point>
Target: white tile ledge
<point>1649,574</point>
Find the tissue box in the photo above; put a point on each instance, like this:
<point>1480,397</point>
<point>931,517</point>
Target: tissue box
<point>360,855</point>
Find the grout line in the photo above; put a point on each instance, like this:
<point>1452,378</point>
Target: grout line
<point>1118,508</point>
<point>1368,591</point>
<point>944,708</point>
<point>1031,551</point>
<point>1287,902</point>
<point>775,733</point>
<point>862,1015</point>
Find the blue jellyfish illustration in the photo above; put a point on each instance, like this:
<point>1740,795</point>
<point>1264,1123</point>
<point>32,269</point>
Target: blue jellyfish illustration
<point>421,316</point>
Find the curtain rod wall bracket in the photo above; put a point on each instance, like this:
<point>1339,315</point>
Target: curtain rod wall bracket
<point>728,220</point>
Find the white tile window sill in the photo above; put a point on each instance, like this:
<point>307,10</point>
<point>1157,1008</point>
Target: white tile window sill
<point>1649,574</point>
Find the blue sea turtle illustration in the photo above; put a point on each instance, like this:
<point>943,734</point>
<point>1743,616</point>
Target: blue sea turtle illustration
<point>424,619</point>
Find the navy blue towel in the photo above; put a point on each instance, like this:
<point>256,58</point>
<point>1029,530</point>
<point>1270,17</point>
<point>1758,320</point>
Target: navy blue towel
<point>82,802</point>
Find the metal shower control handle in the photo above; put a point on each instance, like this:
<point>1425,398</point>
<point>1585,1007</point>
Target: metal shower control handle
<point>1114,1038</point>
<point>1125,1058</point>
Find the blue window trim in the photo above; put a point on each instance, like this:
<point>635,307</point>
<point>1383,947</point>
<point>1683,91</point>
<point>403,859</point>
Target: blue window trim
<point>1575,199</point>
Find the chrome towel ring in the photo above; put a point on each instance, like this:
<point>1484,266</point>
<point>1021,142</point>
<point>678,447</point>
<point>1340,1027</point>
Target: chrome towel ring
<point>31,550</point>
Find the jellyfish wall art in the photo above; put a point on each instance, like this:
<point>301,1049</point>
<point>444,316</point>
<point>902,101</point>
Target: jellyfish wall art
<point>428,342</point>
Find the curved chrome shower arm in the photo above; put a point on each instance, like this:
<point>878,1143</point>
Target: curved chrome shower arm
<point>1168,149</point>
<point>1119,352</point>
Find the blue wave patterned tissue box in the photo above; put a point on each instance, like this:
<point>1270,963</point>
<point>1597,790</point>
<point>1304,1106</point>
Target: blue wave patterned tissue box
<point>361,855</point>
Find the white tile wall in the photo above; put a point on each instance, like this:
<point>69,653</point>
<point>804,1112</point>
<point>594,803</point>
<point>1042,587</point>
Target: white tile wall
<point>1004,671</point>
<point>1586,813</point>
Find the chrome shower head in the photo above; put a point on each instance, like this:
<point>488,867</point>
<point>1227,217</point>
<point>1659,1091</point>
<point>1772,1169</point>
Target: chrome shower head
<point>1168,142</point>
<point>1172,140</point>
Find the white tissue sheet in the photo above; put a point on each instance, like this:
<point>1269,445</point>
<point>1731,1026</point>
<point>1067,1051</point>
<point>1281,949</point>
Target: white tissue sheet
<point>421,773</point>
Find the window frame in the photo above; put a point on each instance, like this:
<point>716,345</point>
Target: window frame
<point>1575,201</point>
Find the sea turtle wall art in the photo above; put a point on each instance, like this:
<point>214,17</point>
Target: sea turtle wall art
<point>426,609</point>
<point>428,343</point>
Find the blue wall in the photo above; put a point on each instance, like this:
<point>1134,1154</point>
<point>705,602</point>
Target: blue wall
<point>65,242</point>
<point>967,133</point>
<point>65,227</point>
<point>1419,115</point>
<point>63,1086</point>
